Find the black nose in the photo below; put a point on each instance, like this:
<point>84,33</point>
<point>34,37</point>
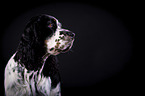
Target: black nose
<point>71,34</point>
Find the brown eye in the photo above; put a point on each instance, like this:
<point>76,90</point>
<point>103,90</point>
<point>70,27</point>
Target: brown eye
<point>50,25</point>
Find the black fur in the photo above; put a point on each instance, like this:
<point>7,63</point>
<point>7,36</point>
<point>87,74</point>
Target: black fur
<point>32,47</point>
<point>51,69</point>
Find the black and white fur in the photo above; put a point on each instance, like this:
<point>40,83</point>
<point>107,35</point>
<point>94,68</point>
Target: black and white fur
<point>33,69</point>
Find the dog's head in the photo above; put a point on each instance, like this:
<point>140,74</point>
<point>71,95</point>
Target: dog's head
<point>48,31</point>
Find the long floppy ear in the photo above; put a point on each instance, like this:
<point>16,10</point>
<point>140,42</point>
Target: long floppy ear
<point>30,31</point>
<point>30,50</point>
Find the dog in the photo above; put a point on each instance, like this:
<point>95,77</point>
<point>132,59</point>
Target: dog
<point>33,68</point>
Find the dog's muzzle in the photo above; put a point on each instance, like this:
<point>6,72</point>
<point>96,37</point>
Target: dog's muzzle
<point>69,37</point>
<point>70,34</point>
<point>67,32</point>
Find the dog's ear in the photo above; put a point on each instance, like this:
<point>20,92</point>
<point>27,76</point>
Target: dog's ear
<point>30,49</point>
<point>31,31</point>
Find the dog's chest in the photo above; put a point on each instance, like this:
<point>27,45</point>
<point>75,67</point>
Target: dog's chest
<point>38,84</point>
<point>20,81</point>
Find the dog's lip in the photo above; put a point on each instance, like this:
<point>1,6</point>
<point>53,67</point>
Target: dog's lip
<point>67,49</point>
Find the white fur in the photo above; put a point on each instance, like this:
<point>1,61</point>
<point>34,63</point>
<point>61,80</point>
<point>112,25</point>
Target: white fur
<point>15,88</point>
<point>56,91</point>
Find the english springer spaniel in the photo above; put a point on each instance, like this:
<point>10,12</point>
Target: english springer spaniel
<point>33,70</point>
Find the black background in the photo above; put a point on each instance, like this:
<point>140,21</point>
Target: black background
<point>105,56</point>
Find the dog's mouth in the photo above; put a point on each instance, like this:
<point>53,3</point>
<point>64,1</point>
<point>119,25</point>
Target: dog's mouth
<point>64,50</point>
<point>67,49</point>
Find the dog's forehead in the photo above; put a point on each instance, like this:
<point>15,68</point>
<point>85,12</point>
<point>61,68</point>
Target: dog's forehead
<point>48,18</point>
<point>51,20</point>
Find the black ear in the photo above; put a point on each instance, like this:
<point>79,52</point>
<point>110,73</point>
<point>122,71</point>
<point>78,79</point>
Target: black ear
<point>31,31</point>
<point>31,49</point>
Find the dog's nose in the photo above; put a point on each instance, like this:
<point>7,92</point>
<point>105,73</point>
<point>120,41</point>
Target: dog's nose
<point>71,34</point>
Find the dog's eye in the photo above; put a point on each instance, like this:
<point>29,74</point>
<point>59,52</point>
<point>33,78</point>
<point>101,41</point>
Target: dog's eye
<point>50,25</point>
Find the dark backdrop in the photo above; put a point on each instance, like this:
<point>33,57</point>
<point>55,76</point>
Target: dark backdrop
<point>104,57</point>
